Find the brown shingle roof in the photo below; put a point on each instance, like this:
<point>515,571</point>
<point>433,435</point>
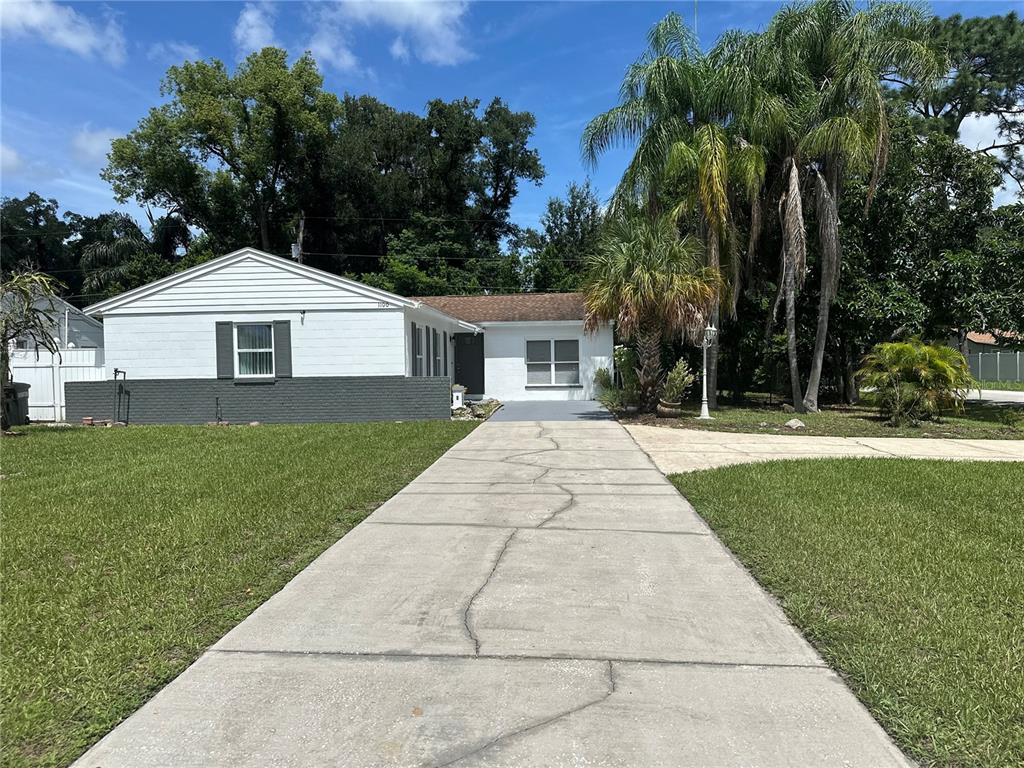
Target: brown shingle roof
<point>510,307</point>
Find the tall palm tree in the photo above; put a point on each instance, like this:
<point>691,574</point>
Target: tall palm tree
<point>116,241</point>
<point>650,282</point>
<point>680,113</point>
<point>827,61</point>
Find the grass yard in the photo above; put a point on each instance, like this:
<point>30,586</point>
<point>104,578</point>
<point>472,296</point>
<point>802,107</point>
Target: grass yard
<point>907,575</point>
<point>979,421</point>
<point>126,552</point>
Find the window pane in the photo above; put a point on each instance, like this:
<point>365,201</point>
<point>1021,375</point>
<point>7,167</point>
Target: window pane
<point>254,336</point>
<point>538,373</point>
<point>538,351</point>
<point>255,363</point>
<point>567,373</point>
<point>567,351</point>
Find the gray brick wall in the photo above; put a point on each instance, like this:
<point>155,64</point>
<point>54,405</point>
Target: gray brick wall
<point>298,400</point>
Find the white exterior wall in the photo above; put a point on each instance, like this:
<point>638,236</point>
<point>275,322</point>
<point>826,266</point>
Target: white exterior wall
<point>350,342</point>
<point>505,359</point>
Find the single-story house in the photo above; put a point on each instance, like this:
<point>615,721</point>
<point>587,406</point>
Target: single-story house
<point>252,336</point>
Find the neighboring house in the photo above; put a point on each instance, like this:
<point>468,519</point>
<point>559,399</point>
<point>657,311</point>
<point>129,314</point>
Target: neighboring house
<point>79,357</point>
<point>533,346</point>
<point>251,336</point>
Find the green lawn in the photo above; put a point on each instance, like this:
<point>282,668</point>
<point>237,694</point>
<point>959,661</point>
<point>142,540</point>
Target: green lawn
<point>1014,386</point>
<point>908,576</point>
<point>979,421</point>
<point>126,552</point>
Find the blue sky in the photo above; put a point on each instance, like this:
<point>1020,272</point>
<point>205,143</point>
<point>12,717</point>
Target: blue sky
<point>74,75</point>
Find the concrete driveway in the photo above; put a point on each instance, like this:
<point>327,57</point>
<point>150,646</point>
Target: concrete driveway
<point>688,450</point>
<point>539,596</point>
<point>552,410</point>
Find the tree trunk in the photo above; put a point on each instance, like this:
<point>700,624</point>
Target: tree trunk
<point>851,392</point>
<point>649,372</point>
<point>794,368</point>
<point>828,237</point>
<point>714,261</point>
<point>261,217</point>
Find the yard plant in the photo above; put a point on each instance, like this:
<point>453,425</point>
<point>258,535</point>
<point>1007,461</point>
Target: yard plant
<point>907,576</point>
<point>914,380</point>
<point>128,551</point>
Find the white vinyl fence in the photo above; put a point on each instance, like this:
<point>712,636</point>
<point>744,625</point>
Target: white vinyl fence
<point>997,366</point>
<point>47,374</point>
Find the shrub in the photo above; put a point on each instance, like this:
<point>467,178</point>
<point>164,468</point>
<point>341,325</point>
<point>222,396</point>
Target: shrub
<point>622,390</point>
<point>678,382</point>
<point>914,380</point>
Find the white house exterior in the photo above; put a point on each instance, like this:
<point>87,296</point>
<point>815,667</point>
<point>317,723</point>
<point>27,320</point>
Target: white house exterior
<point>534,346</point>
<point>251,336</point>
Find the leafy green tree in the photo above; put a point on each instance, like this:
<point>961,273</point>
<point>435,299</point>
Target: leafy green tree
<point>654,285</point>
<point>553,258</point>
<point>226,141</point>
<point>986,77</point>
<point>33,236</point>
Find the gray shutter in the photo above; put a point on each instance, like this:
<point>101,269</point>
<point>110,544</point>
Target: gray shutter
<point>283,349</point>
<point>225,351</point>
<point>412,349</point>
<point>428,357</point>
<point>446,353</point>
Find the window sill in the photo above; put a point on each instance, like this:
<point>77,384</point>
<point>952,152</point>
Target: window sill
<point>554,386</point>
<point>255,380</point>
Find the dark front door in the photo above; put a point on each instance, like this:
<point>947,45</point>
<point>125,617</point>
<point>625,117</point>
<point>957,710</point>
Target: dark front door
<point>469,362</point>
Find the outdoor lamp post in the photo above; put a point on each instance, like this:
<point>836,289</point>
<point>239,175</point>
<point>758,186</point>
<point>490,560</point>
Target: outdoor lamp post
<point>709,336</point>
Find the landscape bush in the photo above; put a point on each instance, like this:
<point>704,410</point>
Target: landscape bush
<point>914,380</point>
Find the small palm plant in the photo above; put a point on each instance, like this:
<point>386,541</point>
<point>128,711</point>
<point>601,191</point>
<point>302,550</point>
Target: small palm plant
<point>652,284</point>
<point>914,380</point>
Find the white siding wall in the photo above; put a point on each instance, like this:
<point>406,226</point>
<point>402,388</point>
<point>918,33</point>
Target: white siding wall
<point>324,343</point>
<point>505,360</point>
<point>248,283</point>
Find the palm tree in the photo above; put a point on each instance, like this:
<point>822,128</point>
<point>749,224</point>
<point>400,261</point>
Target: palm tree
<point>650,282</point>
<point>827,61</point>
<point>117,240</point>
<point>679,111</point>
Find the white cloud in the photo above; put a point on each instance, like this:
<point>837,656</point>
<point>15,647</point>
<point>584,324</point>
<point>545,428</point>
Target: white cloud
<point>10,160</point>
<point>399,49</point>
<point>173,51</point>
<point>63,27</point>
<point>980,131</point>
<point>433,29</point>
<point>254,29</point>
<point>90,147</point>
<point>329,44</point>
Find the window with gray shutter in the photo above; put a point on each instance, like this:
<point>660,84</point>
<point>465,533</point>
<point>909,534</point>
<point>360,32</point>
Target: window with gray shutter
<point>412,349</point>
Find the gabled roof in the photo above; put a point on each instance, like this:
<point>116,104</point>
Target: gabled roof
<point>512,307</point>
<point>276,262</point>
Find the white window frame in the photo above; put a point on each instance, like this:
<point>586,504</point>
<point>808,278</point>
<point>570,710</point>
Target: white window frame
<point>273,353</point>
<point>435,351</point>
<point>551,362</point>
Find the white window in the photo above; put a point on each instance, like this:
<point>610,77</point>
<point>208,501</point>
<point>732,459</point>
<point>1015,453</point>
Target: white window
<point>553,362</point>
<point>436,349</point>
<point>254,345</point>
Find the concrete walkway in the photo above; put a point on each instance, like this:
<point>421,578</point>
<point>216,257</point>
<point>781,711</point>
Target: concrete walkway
<point>688,450</point>
<point>540,596</point>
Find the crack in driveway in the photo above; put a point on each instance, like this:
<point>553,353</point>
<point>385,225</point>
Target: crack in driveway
<point>539,724</point>
<point>469,604</point>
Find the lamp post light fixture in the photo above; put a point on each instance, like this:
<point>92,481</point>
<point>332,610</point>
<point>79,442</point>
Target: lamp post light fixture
<point>709,336</point>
